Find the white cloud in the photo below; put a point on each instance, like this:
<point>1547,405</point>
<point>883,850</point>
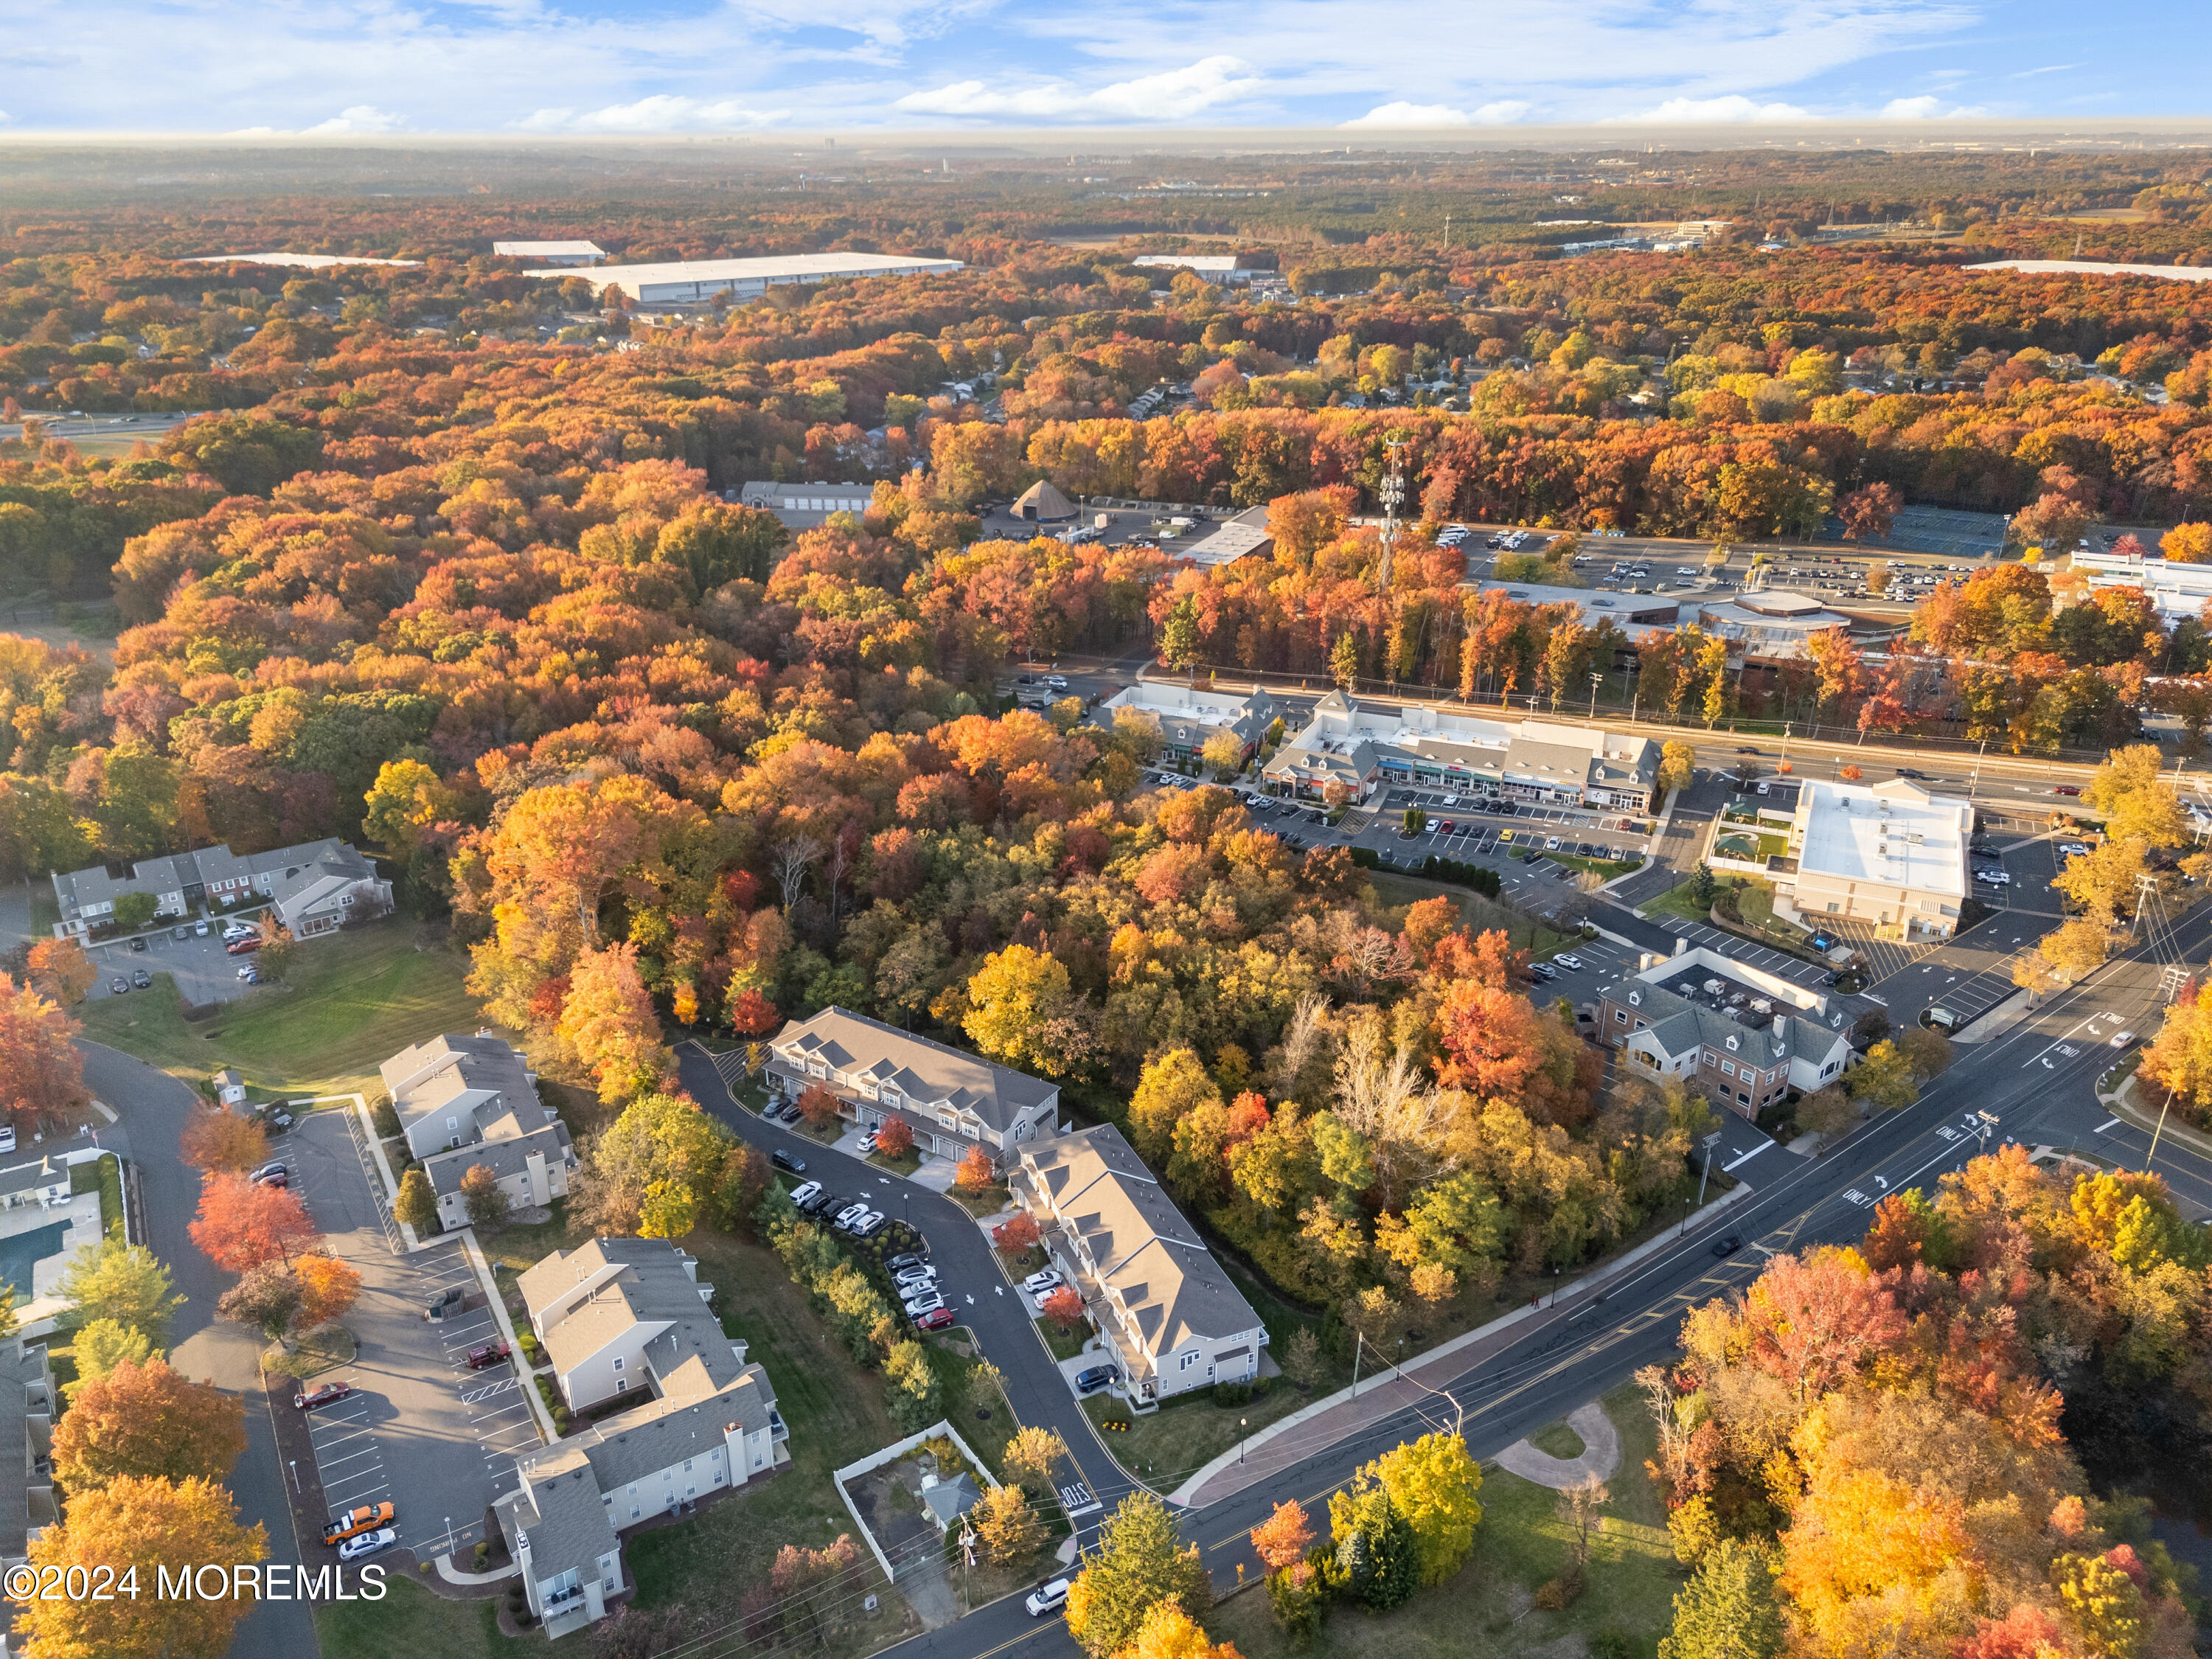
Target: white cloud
<point>2048,69</point>
<point>1924,108</point>
<point>359,118</point>
<point>1733,109</point>
<point>664,112</point>
<point>1173,95</point>
<point>1504,112</point>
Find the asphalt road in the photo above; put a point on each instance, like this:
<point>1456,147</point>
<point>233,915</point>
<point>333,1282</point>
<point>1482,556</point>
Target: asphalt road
<point>151,1107</point>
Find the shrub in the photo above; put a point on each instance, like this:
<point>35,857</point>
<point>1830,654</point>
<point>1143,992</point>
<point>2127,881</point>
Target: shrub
<point>1232,1393</point>
<point>386,1119</point>
<point>1559,1594</point>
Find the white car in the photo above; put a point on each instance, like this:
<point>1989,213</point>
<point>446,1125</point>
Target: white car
<point>1552,845</point>
<point>803,1193</point>
<point>1047,1598</point>
<point>919,1305</point>
<point>369,1543</point>
<point>2072,849</point>
<point>1055,681</point>
<point>1038,1283</point>
<point>2121,1039</point>
<point>868,1224</point>
<point>1573,964</point>
<point>847,1217</point>
<point>236,931</point>
<point>915,1281</point>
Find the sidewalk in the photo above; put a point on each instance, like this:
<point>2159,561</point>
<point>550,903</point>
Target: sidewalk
<point>1345,1412</point>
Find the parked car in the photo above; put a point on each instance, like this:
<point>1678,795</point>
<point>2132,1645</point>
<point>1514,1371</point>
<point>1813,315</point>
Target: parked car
<point>790,1161</point>
<point>232,930</point>
<point>804,1191</point>
<point>138,940</point>
<point>935,1320</point>
<point>271,1174</point>
<point>2072,849</point>
<point>1729,1246</point>
<point>1049,1597</point>
<point>445,1302</point>
<point>844,1219</point>
<point>1572,964</point>
<point>1038,1283</point>
<point>869,1225</point>
<point>910,1259</point>
<point>822,1200</point>
<point>868,1143</point>
<point>6,1137</point>
<point>120,987</point>
<point>1090,1381</point>
<point>791,1113</point>
<point>930,1302</point>
<point>354,1522</point>
<point>1544,971</point>
<point>199,930</point>
<point>487,1353</point>
<point>914,1280</point>
<point>180,931</point>
<point>250,974</point>
<point>238,947</point>
<point>369,1543</point>
<point>330,1394</point>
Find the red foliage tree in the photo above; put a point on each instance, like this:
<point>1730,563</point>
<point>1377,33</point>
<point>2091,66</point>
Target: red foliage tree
<point>752,1014</point>
<point>894,1138</point>
<point>1064,1307</point>
<point>976,1173</point>
<point>818,1106</point>
<point>242,1224</point>
<point>1021,1233</point>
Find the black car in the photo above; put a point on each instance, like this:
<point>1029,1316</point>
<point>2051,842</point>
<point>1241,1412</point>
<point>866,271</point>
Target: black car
<point>790,1161</point>
<point>271,1174</point>
<point>141,979</point>
<point>1089,1381</point>
<point>1907,772</point>
<point>791,1113</point>
<point>900,1263</point>
<point>1729,1246</point>
<point>137,941</point>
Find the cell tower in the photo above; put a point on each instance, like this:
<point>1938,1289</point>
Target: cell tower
<point>1392,493</point>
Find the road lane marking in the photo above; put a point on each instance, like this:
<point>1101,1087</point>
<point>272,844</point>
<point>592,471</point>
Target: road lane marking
<point>1747,1156</point>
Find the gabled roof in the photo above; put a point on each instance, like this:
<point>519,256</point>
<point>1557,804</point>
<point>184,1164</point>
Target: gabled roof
<point>560,1511</point>
<point>456,1072</point>
<point>645,1283</point>
<point>925,1074</point>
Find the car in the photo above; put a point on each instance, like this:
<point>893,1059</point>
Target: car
<point>487,1353</point>
<point>354,1522</point>
<point>369,1543</point>
<point>1038,1283</point>
<point>1048,1597</point>
<point>1729,1246</point>
<point>844,1219</point>
<point>928,1302</point>
<point>1025,679</point>
<point>1573,964</point>
<point>2063,789</point>
<point>822,1200</point>
<point>1745,748</point>
<point>6,1137</point>
<point>2121,1039</point>
<point>138,940</point>
<point>1532,855</point>
<point>1096,1377</point>
<point>910,1259</point>
<point>271,1174</point>
<point>790,1161</point>
<point>238,947</point>
<point>314,1399</point>
<point>1907,772</point>
<point>444,1303</point>
<point>2072,849</point>
<point>805,1190</point>
<point>1543,971</point>
<point>790,1114</point>
<point>868,1142</point>
<point>869,1225</point>
<point>250,974</point>
<point>1551,845</point>
<point>180,932</point>
<point>935,1320</point>
<point>199,930</point>
<point>914,1276</point>
<point>1056,682</point>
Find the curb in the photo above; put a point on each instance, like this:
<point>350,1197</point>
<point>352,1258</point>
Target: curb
<point>2118,1103</point>
<point>526,1379</point>
<point>1597,1276</point>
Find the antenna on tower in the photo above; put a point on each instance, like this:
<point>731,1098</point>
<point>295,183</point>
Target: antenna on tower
<point>1392,493</point>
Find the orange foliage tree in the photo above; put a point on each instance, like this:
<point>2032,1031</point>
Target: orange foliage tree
<point>217,1139</point>
<point>242,1224</point>
<point>147,1419</point>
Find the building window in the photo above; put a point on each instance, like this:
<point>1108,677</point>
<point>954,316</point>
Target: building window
<point>1728,1068</point>
<point>618,1364</point>
<point>622,1385</point>
<point>1712,1059</point>
<point>1621,1017</point>
<point>1187,1362</point>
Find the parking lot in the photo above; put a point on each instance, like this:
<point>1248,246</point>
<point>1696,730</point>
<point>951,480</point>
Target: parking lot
<point>204,971</point>
<point>422,1430</point>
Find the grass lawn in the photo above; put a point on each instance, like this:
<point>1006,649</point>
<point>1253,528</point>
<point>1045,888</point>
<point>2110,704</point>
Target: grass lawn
<point>346,1005</point>
<point>1487,1612</point>
<point>1604,869</point>
<point>1558,1439</point>
<point>1482,915</point>
<point>411,1619</point>
<point>989,1202</point>
<point>104,1175</point>
<point>837,1415</point>
<point>1676,902</point>
<point>905,1164</point>
<point>1168,1446</point>
<point>1064,1345</point>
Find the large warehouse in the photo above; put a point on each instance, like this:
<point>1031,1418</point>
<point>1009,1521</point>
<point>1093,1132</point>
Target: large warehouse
<point>692,281</point>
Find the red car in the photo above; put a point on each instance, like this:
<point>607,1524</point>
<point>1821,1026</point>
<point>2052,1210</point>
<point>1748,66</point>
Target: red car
<point>936,1320</point>
<point>238,947</point>
<point>1447,828</point>
<point>329,1393</point>
<point>489,1354</point>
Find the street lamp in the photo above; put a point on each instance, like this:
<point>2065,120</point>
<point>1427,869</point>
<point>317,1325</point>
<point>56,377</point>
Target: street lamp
<point>1241,1439</point>
<point>295,1473</point>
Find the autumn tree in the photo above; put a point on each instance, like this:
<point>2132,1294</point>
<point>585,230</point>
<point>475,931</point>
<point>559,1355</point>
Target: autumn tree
<point>894,1138</point>
<point>146,1522</point>
<point>1168,1632</point>
<point>2075,949</point>
<point>100,1346</point>
<point>266,1297</point>
<point>146,1420</point>
<point>1283,1539</point>
<point>1729,1609</point>
<point>1580,1509</point>
<point>328,1289</point>
<point>41,1073</point>
<point>219,1140</point>
<point>819,1106</point>
<point>242,1224</point>
<point>1175,1084</point>
<point>485,1199</point>
<point>2106,882</point>
<point>1867,513</point>
<point>608,1021</point>
<point>1884,1079</point>
<point>1064,1307</point>
<point>1432,1482</point>
<point>976,1175</point>
<point>1033,1454</point>
<point>659,1138</point>
<point>1007,1525</point>
<point>417,1207</point>
<point>1019,1233</point>
<point>1021,1010</point>
<point>125,1283</point>
<point>1138,1563</point>
<point>60,969</point>
<point>1678,764</point>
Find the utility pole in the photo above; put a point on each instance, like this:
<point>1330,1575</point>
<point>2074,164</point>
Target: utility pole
<point>1703,1175</point>
<point>1359,1342</point>
<point>1597,680</point>
<point>2150,1156</point>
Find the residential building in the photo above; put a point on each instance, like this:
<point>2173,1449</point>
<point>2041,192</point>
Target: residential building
<point>622,1316</point>
<point>803,506</point>
<point>1891,854</point>
<point>1223,269</point>
<point>45,1183</point>
<point>950,1100</point>
<point>1182,719</point>
<point>230,1087</point>
<point>1172,1317</point>
<point>27,1478</point>
<point>321,884</point>
<point>1360,748</point>
<point>2096,268</point>
<point>464,1100</point>
<point>693,281</point>
<point>553,253</point>
<point>1744,1037</point>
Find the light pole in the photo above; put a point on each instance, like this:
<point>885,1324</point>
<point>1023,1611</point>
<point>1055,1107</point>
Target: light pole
<point>2156,1133</point>
<point>295,1473</point>
<point>1241,1437</point>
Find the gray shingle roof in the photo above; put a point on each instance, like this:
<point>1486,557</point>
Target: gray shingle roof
<point>560,1510</point>
<point>925,1074</point>
<point>432,1074</point>
<point>504,1155</point>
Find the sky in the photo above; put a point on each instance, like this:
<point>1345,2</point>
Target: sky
<point>334,67</point>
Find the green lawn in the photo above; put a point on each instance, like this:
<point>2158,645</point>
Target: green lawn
<point>409,1619</point>
<point>103,1175</point>
<point>1676,902</point>
<point>1558,1439</point>
<point>347,1005</point>
<point>837,1415</point>
<point>1167,1447</point>
<point>1480,914</point>
<point>1604,869</point>
<point>1486,1613</point>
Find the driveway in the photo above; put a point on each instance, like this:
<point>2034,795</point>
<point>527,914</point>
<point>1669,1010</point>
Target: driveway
<point>977,1291</point>
<point>434,1438</point>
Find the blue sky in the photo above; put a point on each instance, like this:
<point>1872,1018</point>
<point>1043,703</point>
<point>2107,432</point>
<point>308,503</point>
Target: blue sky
<point>336,67</point>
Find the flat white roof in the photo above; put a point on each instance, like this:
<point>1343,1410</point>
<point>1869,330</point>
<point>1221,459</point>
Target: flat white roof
<point>722,273</point>
<point>301,261</point>
<point>2098,268</point>
<point>549,250</point>
<point>1190,261</point>
<point>1895,833</point>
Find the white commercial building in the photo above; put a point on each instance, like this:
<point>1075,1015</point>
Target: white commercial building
<point>554,253</point>
<point>2095,268</point>
<point>1221,268</point>
<point>297,261</point>
<point>1891,854</point>
<point>2178,590</point>
<point>691,282</point>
